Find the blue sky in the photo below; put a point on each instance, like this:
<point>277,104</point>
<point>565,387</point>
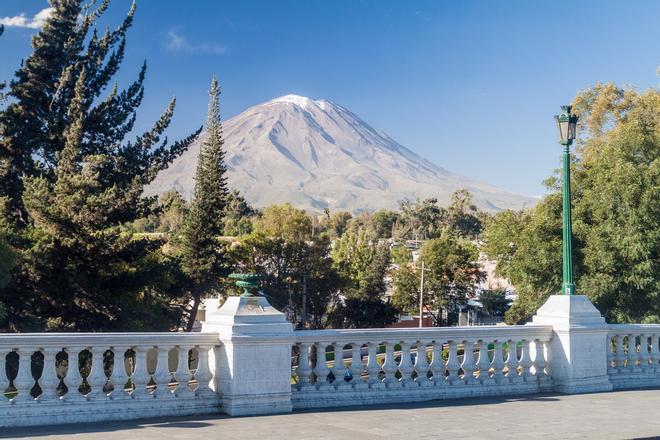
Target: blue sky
<point>471,85</point>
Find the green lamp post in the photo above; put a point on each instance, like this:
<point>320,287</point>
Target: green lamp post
<point>566,124</point>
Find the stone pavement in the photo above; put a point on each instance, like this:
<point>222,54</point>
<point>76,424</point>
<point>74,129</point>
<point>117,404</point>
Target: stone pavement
<point>616,415</point>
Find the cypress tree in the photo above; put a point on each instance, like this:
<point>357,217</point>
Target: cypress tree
<point>203,253</point>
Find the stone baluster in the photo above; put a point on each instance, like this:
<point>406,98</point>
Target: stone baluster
<point>339,369</point>
<point>203,374</point>
<point>49,380</point>
<point>183,374</point>
<point>118,378</point>
<point>452,363</point>
<point>163,375</point>
<point>422,365</point>
<point>632,353</point>
<point>655,353</point>
<point>304,369</point>
<point>356,366</point>
<point>97,378</point>
<point>483,363</point>
<point>141,376</point>
<point>24,380</point>
<point>610,354</point>
<point>468,365</point>
<point>321,370</point>
<point>525,361</point>
<point>437,365</point>
<point>539,358</point>
<point>512,361</point>
<point>644,352</point>
<point>620,356</point>
<point>497,364</point>
<point>373,368</point>
<point>4,380</point>
<point>405,366</point>
<point>389,366</point>
<point>73,379</point>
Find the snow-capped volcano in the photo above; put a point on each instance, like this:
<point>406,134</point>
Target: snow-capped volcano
<point>317,154</point>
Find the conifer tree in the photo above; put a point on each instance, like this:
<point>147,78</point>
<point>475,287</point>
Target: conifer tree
<point>33,124</point>
<point>69,180</point>
<point>203,253</point>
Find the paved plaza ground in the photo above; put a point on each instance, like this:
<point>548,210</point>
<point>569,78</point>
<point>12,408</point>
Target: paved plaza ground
<point>618,415</point>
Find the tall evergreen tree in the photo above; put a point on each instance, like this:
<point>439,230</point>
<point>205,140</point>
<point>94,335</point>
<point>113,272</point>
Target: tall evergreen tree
<point>69,180</point>
<point>203,253</point>
<point>33,124</point>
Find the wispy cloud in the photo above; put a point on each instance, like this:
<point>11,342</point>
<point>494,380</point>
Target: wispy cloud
<point>179,43</point>
<point>21,20</point>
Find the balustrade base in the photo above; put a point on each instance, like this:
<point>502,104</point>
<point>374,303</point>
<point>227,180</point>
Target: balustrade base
<point>250,404</point>
<point>66,411</point>
<point>584,385</point>
<point>392,395</point>
<point>628,381</point>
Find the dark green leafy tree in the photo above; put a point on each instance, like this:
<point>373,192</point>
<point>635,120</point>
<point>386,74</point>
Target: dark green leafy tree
<point>238,215</point>
<point>294,261</point>
<point>494,302</point>
<point>364,263</point>
<point>616,214</point>
<point>451,274</point>
<point>202,250</point>
<point>462,216</point>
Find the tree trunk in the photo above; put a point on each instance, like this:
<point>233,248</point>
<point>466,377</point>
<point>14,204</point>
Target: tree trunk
<point>197,299</point>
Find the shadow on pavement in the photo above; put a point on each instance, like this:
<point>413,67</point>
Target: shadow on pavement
<point>114,426</point>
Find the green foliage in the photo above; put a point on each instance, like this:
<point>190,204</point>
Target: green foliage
<point>616,215</point>
<point>420,220</point>
<point>173,210</point>
<point>283,248</point>
<point>425,219</point>
<point>494,302</point>
<point>451,272</point>
<point>363,262</point>
<point>400,255</point>
<point>336,224</point>
<point>238,215</point>
<point>406,280</point>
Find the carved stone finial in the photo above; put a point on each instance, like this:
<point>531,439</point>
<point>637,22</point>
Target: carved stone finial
<point>248,282</point>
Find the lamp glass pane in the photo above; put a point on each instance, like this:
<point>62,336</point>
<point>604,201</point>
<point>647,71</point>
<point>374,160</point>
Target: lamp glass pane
<point>563,130</point>
<point>571,129</point>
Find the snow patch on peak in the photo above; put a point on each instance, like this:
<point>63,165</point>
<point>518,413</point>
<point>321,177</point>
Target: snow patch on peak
<point>301,101</point>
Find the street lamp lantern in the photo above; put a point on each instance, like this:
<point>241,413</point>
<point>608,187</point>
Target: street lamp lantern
<point>566,125</point>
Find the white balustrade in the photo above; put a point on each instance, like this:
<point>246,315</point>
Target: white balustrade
<point>105,376</point>
<point>633,358</point>
<point>103,355</point>
<point>397,368</point>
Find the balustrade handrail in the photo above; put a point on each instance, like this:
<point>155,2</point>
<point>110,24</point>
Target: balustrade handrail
<point>42,340</point>
<point>633,327</point>
<point>492,331</point>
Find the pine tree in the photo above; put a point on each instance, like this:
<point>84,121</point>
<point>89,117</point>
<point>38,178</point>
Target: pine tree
<point>33,124</point>
<point>70,180</point>
<point>203,256</point>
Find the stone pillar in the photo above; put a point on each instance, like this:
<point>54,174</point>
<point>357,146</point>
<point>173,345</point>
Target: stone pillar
<point>253,364</point>
<point>577,353</point>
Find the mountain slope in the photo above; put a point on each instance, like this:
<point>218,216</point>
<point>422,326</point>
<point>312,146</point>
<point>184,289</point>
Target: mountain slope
<point>317,154</point>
